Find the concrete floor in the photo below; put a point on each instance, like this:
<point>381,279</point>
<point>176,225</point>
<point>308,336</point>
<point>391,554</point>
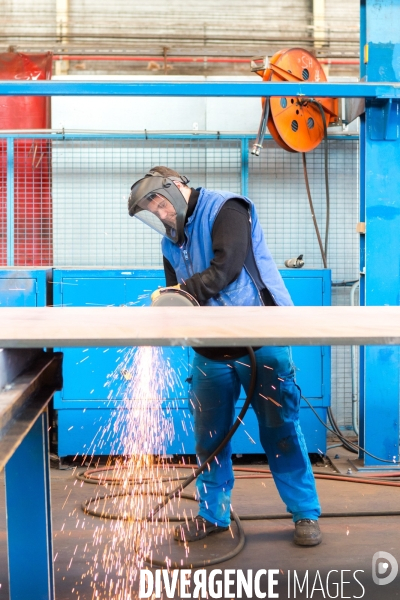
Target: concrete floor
<point>349,543</point>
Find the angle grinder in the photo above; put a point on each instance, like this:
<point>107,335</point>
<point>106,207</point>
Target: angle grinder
<point>172,296</point>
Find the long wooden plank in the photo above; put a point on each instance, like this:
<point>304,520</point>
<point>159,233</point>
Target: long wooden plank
<point>198,326</point>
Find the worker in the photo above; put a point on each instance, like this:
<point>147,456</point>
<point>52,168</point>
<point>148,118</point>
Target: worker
<point>214,248</point>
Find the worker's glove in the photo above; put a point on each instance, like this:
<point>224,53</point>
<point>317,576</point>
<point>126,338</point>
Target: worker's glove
<point>161,289</point>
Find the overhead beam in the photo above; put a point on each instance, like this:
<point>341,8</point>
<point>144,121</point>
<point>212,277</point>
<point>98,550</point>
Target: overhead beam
<point>202,89</point>
<point>199,327</point>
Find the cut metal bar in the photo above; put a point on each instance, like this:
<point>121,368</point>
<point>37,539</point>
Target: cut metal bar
<point>23,400</point>
<point>14,362</point>
<point>199,326</point>
<point>46,371</point>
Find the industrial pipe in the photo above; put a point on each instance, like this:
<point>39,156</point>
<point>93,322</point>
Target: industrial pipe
<point>184,59</point>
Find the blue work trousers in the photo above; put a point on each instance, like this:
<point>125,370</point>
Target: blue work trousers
<point>215,389</point>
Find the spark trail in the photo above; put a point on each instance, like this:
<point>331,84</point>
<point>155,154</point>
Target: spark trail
<point>141,430</point>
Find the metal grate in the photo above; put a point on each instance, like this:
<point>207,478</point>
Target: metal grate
<point>3,202</point>
<point>32,202</point>
<point>276,184</point>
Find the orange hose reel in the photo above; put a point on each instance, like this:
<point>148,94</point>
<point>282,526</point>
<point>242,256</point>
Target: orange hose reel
<point>295,123</point>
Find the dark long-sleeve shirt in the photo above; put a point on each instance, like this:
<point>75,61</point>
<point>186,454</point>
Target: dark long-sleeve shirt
<point>230,242</point>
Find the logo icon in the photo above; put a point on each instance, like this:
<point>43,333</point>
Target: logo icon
<point>380,566</point>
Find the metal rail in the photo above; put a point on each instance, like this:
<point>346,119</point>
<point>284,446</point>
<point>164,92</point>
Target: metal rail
<point>200,89</point>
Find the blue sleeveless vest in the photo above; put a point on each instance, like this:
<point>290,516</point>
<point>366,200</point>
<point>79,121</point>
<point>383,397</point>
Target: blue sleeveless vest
<point>196,253</point>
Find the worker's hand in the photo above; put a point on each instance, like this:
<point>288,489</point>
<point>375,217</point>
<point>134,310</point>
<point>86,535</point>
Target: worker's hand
<point>161,289</point>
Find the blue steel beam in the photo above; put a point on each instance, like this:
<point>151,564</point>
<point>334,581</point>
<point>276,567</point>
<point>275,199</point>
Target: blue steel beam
<point>30,545</point>
<point>380,187</point>
<point>207,88</point>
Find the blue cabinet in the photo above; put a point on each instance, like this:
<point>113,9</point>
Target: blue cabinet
<point>94,384</point>
<point>20,286</point>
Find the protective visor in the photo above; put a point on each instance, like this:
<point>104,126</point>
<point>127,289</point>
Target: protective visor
<point>157,201</point>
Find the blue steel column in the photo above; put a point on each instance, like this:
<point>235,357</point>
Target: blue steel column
<point>382,215</point>
<point>30,555</point>
<point>10,202</point>
<point>361,391</point>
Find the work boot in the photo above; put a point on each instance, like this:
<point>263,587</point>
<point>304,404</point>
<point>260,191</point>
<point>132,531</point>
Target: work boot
<point>195,530</point>
<point>307,533</point>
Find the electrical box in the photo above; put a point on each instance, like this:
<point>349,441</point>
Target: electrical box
<point>92,397</point>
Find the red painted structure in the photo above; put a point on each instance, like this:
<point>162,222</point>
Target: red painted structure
<point>32,164</point>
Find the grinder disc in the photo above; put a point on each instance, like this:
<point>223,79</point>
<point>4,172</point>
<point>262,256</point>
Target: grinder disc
<point>174,297</point>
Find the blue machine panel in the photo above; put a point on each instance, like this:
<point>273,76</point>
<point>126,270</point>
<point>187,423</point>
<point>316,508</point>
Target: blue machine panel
<point>308,288</point>
<point>21,287</point>
<point>88,402</point>
<point>97,374</point>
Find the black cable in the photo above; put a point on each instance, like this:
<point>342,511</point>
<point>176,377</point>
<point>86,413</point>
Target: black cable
<point>321,110</point>
<point>344,283</point>
<point>336,429</point>
<point>158,563</point>
<point>323,247</point>
<point>342,438</point>
<point>312,211</point>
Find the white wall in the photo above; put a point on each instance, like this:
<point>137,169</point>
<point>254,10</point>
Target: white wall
<point>155,114</point>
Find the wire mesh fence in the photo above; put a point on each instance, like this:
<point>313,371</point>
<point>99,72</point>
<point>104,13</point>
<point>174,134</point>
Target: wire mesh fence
<point>70,206</point>
<point>276,184</point>
<point>91,185</point>
<point>3,202</point>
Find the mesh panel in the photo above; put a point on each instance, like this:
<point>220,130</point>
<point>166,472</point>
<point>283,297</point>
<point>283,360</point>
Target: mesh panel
<point>32,202</point>
<point>3,202</point>
<point>276,184</point>
<point>91,185</point>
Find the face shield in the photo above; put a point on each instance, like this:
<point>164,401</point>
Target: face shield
<point>158,202</point>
